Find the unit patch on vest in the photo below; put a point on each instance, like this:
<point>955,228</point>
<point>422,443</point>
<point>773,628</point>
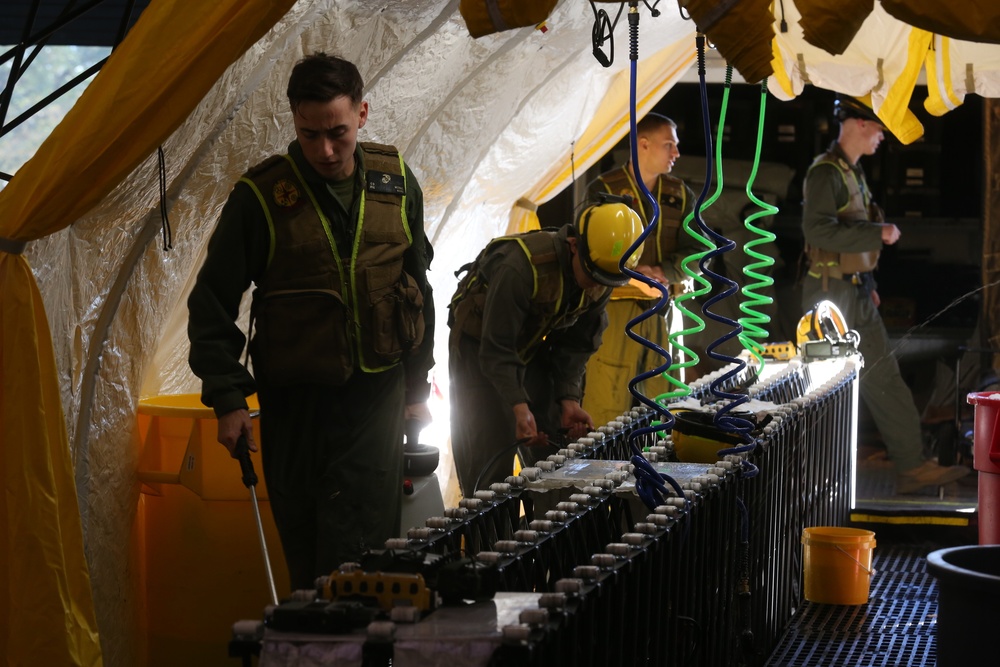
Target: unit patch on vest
<point>285,193</point>
<point>390,184</point>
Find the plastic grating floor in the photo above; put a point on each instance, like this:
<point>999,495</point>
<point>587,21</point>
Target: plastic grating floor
<point>896,628</point>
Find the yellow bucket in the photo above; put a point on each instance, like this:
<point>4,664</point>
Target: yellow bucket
<point>838,564</point>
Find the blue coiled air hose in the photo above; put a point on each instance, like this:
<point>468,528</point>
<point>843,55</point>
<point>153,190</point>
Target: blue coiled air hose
<point>650,485</point>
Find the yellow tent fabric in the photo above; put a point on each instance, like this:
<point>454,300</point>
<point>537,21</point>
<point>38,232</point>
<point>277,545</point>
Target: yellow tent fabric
<point>656,75</point>
<point>172,56</point>
<point>883,63</point>
<point>955,69</point>
<point>46,610</point>
<point>895,108</point>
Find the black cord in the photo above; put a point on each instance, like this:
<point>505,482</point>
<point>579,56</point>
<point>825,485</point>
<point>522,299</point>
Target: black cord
<point>653,11</point>
<point>493,459</point>
<point>694,639</point>
<point>604,31</point>
<point>168,238</point>
<point>560,441</point>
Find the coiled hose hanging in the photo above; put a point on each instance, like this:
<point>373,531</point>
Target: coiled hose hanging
<point>753,321</point>
<point>725,419</point>
<point>704,286</point>
<point>650,485</point>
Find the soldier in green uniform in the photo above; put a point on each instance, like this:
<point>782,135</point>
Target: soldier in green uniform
<point>331,236</point>
<point>844,232</point>
<point>525,318</point>
<point>619,358</point>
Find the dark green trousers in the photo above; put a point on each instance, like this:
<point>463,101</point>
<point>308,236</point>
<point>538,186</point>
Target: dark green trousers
<point>482,424</point>
<point>882,387</point>
<point>333,461</point>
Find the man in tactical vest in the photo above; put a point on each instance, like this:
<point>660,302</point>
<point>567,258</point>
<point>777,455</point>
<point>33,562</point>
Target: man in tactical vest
<point>525,318</point>
<point>619,358</point>
<point>844,232</point>
<point>331,236</point>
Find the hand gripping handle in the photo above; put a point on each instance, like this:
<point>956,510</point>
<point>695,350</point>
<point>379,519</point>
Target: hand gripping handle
<point>242,454</point>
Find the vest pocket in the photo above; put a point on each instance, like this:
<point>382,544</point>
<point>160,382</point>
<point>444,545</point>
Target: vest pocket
<point>301,337</point>
<point>398,320</point>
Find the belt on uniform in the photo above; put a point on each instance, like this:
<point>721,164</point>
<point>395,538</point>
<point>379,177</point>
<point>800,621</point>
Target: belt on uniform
<point>854,278</point>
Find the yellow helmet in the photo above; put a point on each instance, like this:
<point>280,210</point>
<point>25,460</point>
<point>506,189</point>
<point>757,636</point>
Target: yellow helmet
<point>606,231</point>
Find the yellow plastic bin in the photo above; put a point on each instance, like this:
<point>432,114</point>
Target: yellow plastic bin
<point>201,562</point>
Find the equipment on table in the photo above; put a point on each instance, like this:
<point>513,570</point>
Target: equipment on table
<point>822,333</point>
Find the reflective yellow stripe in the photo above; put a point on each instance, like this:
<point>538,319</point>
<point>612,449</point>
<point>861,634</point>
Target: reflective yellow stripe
<point>267,214</point>
<point>780,73</point>
<point>917,520</point>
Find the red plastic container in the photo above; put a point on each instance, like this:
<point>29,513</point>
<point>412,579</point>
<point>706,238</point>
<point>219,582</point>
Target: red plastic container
<point>986,459</point>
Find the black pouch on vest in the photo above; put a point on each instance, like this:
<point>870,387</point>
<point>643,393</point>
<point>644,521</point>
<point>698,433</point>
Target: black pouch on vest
<point>301,337</point>
<point>398,319</point>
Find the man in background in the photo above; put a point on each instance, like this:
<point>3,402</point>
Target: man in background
<point>619,358</point>
<point>844,233</point>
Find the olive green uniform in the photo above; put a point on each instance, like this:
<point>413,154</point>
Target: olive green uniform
<point>838,220</point>
<point>332,451</point>
<point>619,358</point>
<point>510,355</point>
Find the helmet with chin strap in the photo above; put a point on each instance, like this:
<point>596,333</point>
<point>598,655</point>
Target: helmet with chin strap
<point>606,231</point>
<point>845,106</point>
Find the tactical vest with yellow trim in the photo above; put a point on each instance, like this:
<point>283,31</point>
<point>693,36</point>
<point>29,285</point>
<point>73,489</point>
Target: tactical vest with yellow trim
<point>548,309</point>
<point>671,195</point>
<point>827,264</point>
<point>320,311</point>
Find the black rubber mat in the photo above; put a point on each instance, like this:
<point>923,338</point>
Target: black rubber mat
<point>896,628</point>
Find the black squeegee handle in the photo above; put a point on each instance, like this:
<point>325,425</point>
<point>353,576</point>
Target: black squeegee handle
<point>242,454</point>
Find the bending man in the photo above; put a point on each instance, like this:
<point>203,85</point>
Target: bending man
<point>525,318</point>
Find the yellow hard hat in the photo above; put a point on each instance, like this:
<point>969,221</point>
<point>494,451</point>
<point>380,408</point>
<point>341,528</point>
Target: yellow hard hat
<point>606,231</point>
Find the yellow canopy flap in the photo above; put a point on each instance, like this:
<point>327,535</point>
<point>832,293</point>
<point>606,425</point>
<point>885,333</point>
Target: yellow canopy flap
<point>172,56</point>
<point>46,608</point>
<point>955,69</point>
<point>883,62</point>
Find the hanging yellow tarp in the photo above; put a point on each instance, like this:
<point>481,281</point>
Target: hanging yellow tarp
<point>172,56</point>
<point>883,62</point>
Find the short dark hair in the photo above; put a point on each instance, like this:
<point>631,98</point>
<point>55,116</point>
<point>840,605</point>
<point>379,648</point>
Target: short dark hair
<point>321,78</point>
<point>653,122</point>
